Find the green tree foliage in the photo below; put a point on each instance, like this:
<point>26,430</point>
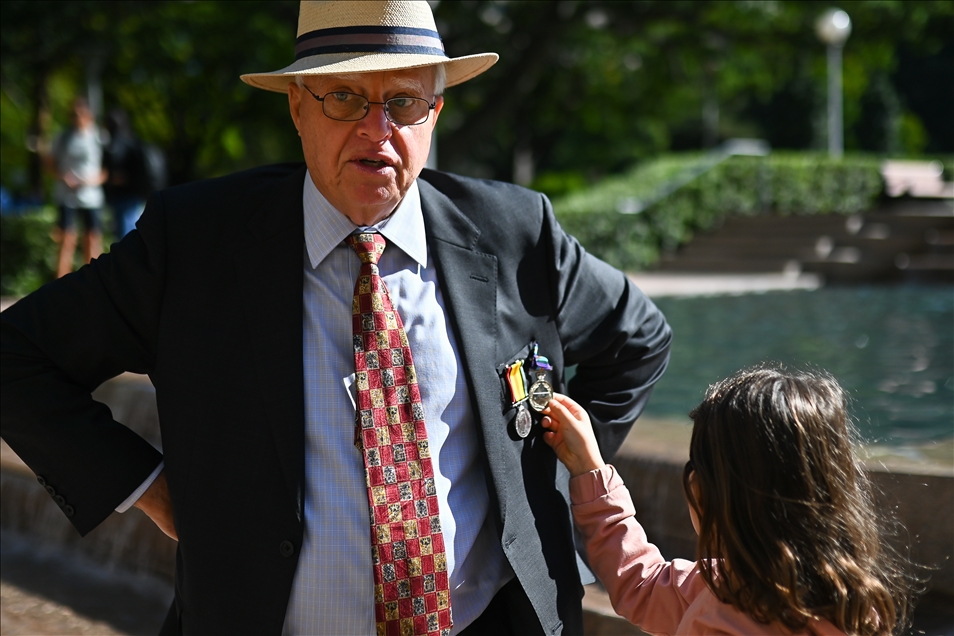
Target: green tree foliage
<point>591,87</point>
<point>27,251</point>
<point>173,66</point>
<point>583,89</point>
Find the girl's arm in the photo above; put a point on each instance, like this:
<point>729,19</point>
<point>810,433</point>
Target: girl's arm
<point>571,436</point>
<point>644,588</point>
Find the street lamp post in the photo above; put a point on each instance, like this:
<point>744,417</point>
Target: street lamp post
<point>833,28</point>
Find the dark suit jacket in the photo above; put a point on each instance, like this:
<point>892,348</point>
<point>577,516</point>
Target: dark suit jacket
<point>206,298</point>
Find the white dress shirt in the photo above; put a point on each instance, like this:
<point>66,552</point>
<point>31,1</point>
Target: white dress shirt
<point>333,592</point>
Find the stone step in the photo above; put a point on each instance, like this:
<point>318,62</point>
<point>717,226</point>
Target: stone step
<point>791,226</point>
<point>875,245</point>
<point>809,248</point>
<point>917,207</point>
<point>900,240</point>
<point>915,225</point>
<point>940,237</point>
<point>729,264</point>
<point>926,263</point>
<point>844,271</point>
<point>737,241</point>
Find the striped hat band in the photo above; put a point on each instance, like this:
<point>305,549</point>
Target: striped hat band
<point>369,39</point>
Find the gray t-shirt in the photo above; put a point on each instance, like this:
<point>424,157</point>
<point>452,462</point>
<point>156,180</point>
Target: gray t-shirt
<point>79,152</point>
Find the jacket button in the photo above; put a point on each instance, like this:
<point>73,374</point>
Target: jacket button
<point>50,491</point>
<point>286,548</point>
<point>68,511</point>
<point>40,480</point>
<point>60,500</point>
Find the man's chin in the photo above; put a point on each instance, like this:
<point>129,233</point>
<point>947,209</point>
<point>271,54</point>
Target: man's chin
<point>368,206</point>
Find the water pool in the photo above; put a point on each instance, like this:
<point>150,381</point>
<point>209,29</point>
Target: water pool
<point>891,347</point>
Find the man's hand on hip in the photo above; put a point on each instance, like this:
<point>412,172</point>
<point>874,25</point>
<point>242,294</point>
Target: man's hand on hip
<point>157,504</point>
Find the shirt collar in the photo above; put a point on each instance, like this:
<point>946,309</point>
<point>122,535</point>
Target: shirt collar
<point>326,227</point>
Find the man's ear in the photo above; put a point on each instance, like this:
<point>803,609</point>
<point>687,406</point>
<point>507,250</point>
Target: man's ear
<point>438,105</point>
<point>294,105</point>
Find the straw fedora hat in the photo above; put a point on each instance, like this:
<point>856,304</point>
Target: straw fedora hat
<point>366,36</point>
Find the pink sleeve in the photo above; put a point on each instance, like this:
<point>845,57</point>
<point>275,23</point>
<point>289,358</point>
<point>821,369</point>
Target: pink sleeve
<point>644,588</point>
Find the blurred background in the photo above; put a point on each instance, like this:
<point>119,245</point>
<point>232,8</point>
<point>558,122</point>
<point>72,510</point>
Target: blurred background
<point>779,195</point>
<point>582,89</point>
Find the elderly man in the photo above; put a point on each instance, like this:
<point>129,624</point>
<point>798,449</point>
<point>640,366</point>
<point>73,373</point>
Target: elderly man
<point>350,357</point>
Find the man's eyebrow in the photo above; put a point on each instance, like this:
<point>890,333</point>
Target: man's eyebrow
<point>407,84</point>
<point>396,83</point>
<point>345,77</point>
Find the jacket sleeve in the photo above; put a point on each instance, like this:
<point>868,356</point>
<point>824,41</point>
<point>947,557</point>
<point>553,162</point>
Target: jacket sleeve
<point>58,345</point>
<point>644,588</point>
<point>611,330</point>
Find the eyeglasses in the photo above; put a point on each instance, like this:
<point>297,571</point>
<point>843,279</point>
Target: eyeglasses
<point>404,111</point>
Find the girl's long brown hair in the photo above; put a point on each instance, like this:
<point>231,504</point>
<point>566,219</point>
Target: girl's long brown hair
<point>788,530</point>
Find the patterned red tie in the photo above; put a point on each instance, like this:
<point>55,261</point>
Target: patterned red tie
<point>411,590</point>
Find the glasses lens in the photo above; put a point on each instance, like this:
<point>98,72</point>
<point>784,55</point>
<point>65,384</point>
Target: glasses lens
<point>344,106</point>
<point>408,110</point>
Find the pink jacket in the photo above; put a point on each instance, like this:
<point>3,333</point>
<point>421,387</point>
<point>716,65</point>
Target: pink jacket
<point>661,597</point>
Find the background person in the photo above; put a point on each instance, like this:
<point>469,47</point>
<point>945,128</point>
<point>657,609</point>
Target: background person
<point>236,296</point>
<point>788,536</point>
<point>130,176</point>
<point>76,159</point>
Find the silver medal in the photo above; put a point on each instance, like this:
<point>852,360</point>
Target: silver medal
<point>523,421</point>
<point>540,392</point>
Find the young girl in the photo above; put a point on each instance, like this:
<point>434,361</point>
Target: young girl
<point>788,535</point>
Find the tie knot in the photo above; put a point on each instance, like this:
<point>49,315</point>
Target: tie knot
<point>368,246</point>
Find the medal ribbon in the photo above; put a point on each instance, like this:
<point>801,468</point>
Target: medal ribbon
<point>540,362</point>
<point>516,382</point>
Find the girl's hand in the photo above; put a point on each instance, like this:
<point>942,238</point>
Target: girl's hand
<point>570,435</point>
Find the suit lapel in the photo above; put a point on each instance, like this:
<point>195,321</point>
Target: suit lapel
<point>269,268</point>
<point>468,281</point>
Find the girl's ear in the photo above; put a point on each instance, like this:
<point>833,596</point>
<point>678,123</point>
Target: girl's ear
<point>695,502</point>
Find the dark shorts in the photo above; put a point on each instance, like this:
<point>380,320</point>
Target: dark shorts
<point>92,218</point>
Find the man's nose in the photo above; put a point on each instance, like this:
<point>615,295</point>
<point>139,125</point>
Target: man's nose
<point>375,124</point>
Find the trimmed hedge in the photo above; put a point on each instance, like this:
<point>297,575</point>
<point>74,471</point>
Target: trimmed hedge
<point>629,220</point>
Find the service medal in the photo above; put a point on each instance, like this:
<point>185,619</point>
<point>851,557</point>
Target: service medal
<point>540,391</point>
<point>522,422</point>
<point>518,395</point>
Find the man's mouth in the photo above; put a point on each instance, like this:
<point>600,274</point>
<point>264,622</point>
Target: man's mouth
<point>373,163</point>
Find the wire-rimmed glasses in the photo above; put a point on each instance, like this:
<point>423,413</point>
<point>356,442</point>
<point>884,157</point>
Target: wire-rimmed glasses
<point>345,106</point>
